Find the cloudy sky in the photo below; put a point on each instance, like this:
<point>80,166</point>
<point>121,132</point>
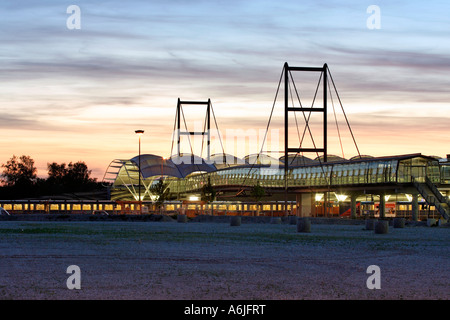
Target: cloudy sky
<point>79,94</point>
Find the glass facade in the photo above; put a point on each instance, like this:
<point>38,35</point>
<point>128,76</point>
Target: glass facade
<point>336,174</point>
<point>445,173</point>
<point>367,171</point>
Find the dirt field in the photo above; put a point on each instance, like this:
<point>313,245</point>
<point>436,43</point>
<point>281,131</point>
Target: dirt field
<point>210,260</point>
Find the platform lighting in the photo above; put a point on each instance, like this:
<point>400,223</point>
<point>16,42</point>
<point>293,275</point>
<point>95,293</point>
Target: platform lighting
<point>319,196</point>
<point>341,197</point>
<point>194,198</point>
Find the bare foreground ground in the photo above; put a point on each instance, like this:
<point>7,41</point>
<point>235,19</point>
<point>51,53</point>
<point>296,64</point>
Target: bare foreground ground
<point>210,261</point>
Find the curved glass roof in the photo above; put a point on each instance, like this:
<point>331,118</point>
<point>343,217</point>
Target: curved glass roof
<point>188,163</point>
<point>361,157</point>
<point>298,160</point>
<point>331,158</point>
<point>224,160</point>
<point>177,166</point>
<point>153,165</point>
<point>263,159</point>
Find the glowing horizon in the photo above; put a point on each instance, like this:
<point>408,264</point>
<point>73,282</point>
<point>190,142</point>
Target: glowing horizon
<point>79,95</point>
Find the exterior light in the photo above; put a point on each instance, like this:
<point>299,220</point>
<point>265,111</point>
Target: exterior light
<point>194,198</point>
<point>341,197</point>
<point>139,132</point>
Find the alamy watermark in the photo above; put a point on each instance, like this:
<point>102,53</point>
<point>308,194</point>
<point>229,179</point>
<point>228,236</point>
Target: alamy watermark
<point>374,20</point>
<point>374,280</point>
<point>74,281</point>
<point>74,20</point>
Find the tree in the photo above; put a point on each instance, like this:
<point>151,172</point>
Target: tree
<point>161,191</point>
<point>19,179</point>
<point>258,193</point>
<point>56,172</point>
<point>78,173</point>
<point>19,172</point>
<point>208,192</point>
<point>70,178</point>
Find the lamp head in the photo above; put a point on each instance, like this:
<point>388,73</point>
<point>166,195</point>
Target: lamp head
<point>139,132</point>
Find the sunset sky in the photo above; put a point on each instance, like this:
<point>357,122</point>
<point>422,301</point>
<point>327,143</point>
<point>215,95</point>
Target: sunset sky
<point>79,94</point>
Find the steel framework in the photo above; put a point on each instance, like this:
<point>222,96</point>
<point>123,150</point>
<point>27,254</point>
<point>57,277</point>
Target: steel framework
<point>206,131</point>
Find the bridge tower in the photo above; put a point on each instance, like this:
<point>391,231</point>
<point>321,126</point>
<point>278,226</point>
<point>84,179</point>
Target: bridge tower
<point>206,130</point>
<point>287,70</point>
<point>287,109</point>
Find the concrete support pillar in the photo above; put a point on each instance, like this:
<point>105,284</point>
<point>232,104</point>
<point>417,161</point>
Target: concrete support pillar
<point>306,204</point>
<point>382,206</point>
<point>415,207</point>
<point>353,206</point>
<point>298,204</point>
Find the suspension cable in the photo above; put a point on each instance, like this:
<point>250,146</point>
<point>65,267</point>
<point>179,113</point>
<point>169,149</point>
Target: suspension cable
<point>265,134</point>
<point>173,132</point>
<point>203,135</point>
<point>348,124</point>
<point>296,124</point>
<point>185,126</point>
<point>218,131</point>
<point>335,119</point>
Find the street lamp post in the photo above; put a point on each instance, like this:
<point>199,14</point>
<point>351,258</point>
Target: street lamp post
<point>140,133</point>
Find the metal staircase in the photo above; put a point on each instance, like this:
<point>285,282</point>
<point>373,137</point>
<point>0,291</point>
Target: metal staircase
<point>433,197</point>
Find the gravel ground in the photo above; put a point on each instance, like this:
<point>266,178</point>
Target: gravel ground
<point>211,261</point>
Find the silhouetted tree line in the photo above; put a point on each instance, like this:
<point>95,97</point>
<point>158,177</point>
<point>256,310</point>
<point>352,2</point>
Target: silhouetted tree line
<point>19,179</point>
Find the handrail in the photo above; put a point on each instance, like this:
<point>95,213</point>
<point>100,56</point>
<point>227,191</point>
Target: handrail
<point>430,198</point>
<point>436,192</point>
